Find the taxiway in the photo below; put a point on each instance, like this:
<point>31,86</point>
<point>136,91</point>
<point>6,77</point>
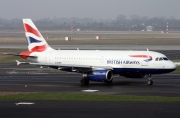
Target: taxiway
<point>33,79</point>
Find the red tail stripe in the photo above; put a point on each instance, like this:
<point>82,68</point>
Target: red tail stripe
<point>39,48</point>
<point>25,55</point>
<point>29,29</point>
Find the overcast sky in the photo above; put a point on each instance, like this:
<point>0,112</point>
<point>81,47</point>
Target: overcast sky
<point>106,9</point>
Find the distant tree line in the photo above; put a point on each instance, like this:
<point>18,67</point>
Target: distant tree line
<point>120,23</point>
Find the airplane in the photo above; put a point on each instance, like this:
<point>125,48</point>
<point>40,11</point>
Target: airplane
<point>94,65</point>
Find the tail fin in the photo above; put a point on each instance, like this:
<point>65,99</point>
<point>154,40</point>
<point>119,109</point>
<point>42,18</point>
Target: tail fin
<point>36,42</point>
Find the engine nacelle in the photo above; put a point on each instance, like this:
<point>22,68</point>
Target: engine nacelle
<point>99,75</point>
<point>133,75</point>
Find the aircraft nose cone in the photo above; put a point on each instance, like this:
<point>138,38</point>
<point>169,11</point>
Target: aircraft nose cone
<point>172,66</point>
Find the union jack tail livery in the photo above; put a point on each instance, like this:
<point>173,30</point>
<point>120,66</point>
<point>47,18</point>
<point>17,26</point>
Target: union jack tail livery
<point>36,42</point>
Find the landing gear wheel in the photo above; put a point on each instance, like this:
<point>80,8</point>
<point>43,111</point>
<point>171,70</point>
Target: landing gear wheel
<point>84,81</point>
<point>150,82</point>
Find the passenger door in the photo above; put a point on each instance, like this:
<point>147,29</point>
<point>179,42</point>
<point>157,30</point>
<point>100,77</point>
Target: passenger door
<point>144,61</point>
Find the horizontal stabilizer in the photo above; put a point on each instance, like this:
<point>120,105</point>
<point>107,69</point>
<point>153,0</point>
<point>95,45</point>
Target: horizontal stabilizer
<point>18,62</point>
<point>20,55</point>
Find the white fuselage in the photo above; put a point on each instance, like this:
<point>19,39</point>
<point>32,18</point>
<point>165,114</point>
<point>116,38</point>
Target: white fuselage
<point>115,59</point>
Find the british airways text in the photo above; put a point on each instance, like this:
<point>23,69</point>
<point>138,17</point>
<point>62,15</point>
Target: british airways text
<point>122,62</point>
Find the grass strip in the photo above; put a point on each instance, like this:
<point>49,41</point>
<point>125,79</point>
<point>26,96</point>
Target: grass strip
<point>87,97</point>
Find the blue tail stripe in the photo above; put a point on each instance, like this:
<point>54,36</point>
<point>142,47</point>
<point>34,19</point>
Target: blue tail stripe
<point>33,40</point>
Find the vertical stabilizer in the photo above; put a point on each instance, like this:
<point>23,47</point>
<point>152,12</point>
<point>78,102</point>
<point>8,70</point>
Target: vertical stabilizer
<point>36,42</point>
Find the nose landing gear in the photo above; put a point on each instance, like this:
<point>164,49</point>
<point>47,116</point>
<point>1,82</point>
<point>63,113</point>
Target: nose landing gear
<point>84,80</point>
<point>150,81</point>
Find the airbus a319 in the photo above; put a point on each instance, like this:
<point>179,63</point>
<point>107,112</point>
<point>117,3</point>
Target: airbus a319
<point>95,65</point>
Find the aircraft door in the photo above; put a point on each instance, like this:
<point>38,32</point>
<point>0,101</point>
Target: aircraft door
<point>144,61</point>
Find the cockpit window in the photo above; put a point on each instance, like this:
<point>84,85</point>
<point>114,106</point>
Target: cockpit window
<point>160,59</point>
<point>166,59</point>
<point>157,59</point>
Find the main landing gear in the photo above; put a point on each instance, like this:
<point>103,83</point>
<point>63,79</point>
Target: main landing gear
<point>150,81</point>
<point>84,81</point>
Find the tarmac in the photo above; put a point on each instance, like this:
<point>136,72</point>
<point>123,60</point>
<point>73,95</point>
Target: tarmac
<point>33,79</point>
<point>82,109</point>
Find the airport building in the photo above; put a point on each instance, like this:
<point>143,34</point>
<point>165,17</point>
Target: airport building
<point>149,28</point>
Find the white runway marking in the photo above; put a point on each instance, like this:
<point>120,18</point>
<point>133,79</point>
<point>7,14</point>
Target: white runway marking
<point>88,90</point>
<point>25,103</point>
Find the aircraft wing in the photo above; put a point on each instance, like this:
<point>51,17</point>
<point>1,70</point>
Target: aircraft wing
<point>66,65</point>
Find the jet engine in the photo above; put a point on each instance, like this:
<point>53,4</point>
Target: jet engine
<point>99,75</point>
